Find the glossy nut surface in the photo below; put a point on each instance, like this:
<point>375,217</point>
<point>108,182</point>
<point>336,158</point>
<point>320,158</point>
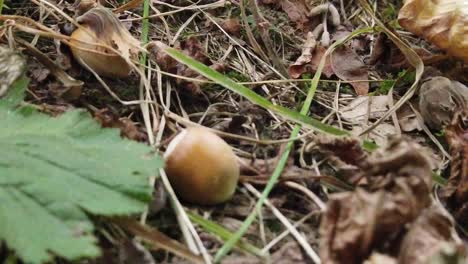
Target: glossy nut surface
<point>201,167</point>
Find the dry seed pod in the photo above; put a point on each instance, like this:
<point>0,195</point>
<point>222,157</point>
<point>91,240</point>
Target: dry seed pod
<point>100,26</point>
<point>201,167</point>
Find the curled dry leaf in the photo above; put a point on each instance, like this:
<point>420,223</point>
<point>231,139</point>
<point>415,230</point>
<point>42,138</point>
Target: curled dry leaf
<point>439,99</point>
<point>427,236</point>
<point>456,192</point>
<point>299,66</point>
<point>100,29</point>
<point>309,63</point>
<point>356,224</point>
<point>348,149</point>
<point>442,22</point>
<point>12,66</point>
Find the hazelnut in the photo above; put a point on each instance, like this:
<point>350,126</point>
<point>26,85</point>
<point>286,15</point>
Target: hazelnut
<point>201,167</point>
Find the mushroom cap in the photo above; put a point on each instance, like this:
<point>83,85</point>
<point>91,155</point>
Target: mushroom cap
<point>201,167</point>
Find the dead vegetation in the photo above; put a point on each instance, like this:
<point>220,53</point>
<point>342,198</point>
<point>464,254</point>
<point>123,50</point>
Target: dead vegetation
<point>335,201</point>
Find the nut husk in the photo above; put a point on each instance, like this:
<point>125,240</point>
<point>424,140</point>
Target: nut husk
<point>100,26</point>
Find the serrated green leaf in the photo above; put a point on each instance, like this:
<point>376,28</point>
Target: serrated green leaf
<point>53,171</point>
<point>16,95</point>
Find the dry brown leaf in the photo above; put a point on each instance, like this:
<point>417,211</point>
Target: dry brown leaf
<point>352,226</point>
<point>363,107</point>
<point>317,56</point>
<point>296,10</point>
<point>433,229</point>
<point>456,192</point>
<point>231,26</point>
<point>397,191</point>
<point>299,66</point>
<point>439,99</point>
<point>442,22</point>
<point>127,128</point>
<point>348,149</point>
<point>407,119</point>
<point>347,65</point>
<point>343,62</point>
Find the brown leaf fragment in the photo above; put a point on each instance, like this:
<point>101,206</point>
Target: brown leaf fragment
<point>347,65</point>
<point>193,48</point>
<point>397,189</point>
<point>296,10</point>
<point>352,226</point>
<point>127,128</point>
<point>82,6</point>
<point>439,99</point>
<point>299,66</point>
<point>401,162</point>
<point>231,26</point>
<point>348,149</point>
<point>427,236</point>
<point>163,60</point>
<point>317,56</point>
<point>40,74</point>
<point>456,192</point>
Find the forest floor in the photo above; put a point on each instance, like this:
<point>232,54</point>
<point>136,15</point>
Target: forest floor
<point>381,194</point>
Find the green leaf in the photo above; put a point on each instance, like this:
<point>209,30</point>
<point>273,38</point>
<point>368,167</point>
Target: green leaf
<point>55,171</point>
<point>15,96</point>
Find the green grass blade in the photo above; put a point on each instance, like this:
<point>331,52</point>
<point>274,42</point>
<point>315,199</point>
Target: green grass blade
<point>145,29</point>
<point>252,96</point>
<point>224,234</point>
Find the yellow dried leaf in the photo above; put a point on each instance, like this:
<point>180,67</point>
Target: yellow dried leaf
<point>100,28</point>
<point>442,22</point>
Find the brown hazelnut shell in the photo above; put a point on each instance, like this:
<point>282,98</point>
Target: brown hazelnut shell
<point>202,167</point>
